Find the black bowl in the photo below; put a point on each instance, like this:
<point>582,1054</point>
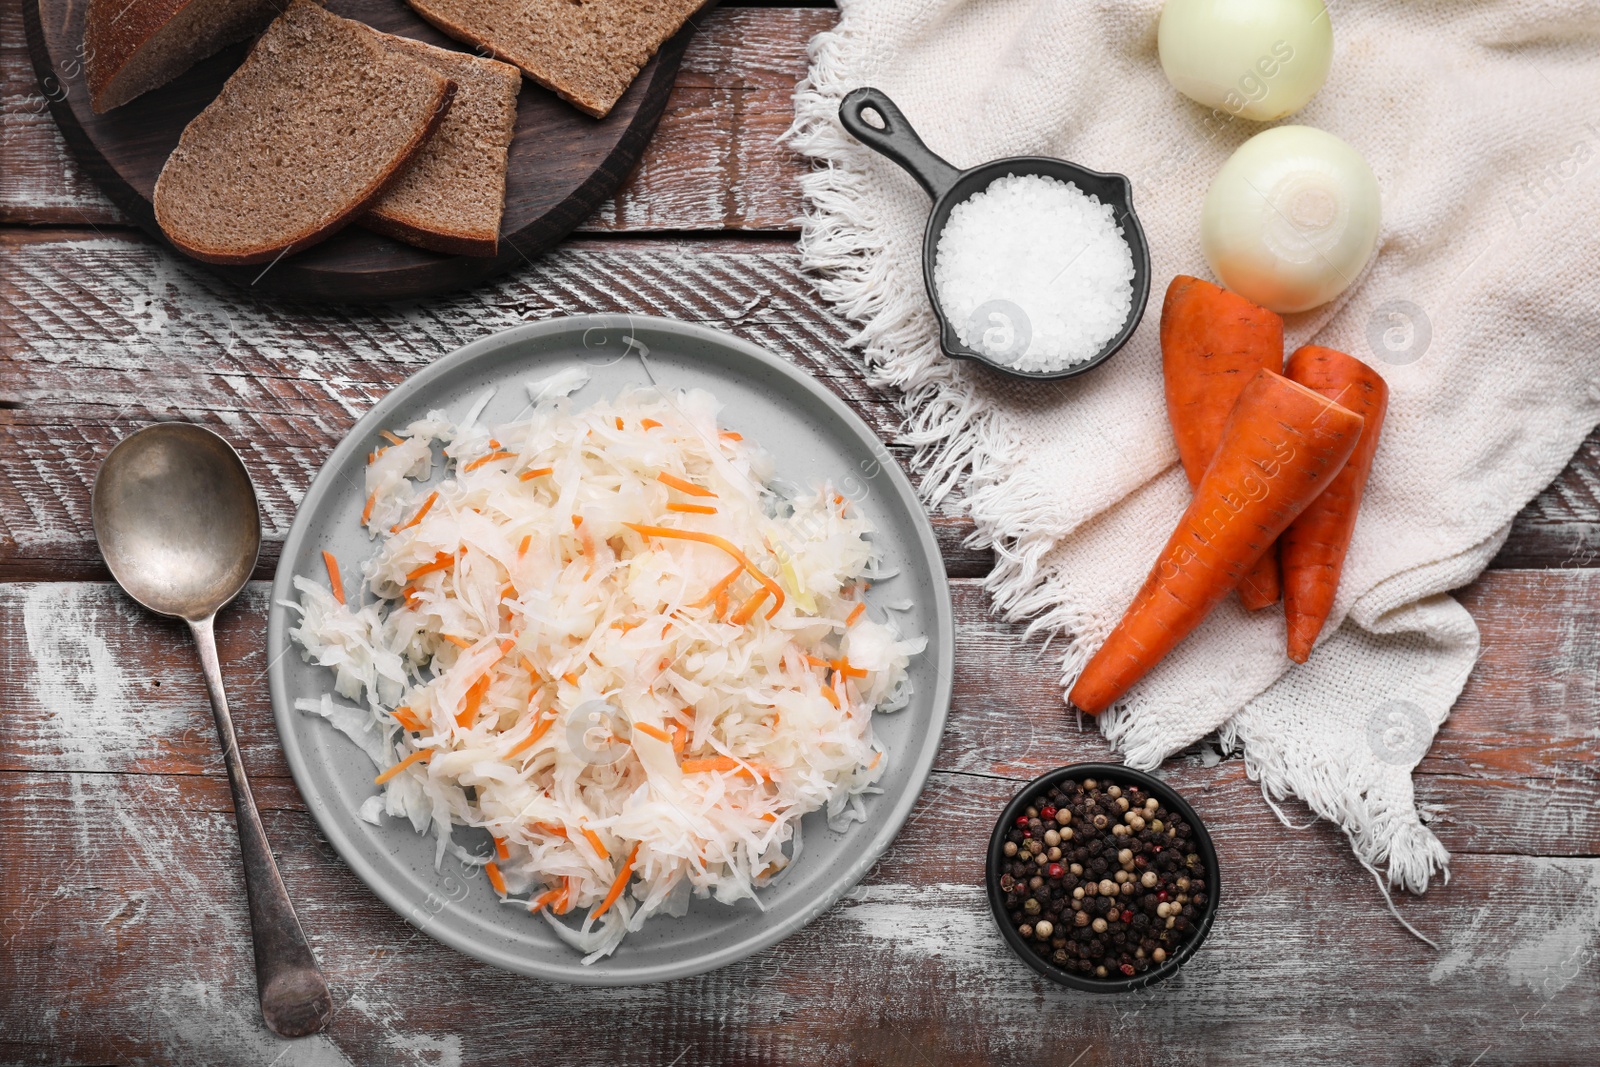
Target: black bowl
<point>1121,775</point>
<point>949,186</point>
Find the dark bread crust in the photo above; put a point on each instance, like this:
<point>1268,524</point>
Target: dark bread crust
<point>115,32</point>
<point>343,218</point>
<point>451,197</point>
<point>175,215</point>
<point>546,32</point>
<point>450,244</point>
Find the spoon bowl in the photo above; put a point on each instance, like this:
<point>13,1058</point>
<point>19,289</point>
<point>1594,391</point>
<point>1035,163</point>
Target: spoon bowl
<point>949,186</point>
<point>176,517</point>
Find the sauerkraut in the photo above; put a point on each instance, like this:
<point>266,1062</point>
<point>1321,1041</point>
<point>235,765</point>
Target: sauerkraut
<point>602,636</point>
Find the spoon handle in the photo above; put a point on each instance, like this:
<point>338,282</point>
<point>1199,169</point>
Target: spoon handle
<point>294,996</point>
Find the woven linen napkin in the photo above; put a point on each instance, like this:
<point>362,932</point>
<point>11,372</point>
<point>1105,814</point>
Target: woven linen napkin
<point>1481,308</point>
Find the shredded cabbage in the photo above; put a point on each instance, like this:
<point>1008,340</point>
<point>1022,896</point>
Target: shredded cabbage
<point>602,637</point>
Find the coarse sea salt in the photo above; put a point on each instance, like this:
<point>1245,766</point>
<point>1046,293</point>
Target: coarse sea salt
<point>1033,273</point>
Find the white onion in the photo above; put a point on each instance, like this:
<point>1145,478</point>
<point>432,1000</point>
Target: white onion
<point>1260,59</point>
<point>1291,218</point>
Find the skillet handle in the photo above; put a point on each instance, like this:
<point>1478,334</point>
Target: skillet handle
<point>897,140</point>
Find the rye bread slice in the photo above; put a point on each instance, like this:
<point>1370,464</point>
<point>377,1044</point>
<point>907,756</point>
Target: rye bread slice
<point>308,132</point>
<point>133,46</point>
<point>588,51</point>
<point>450,196</point>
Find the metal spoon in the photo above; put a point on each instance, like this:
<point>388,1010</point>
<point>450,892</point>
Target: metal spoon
<point>175,515</point>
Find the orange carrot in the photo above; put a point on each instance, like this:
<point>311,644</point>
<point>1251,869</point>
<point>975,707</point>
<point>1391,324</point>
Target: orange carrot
<point>748,609</point>
<point>427,505</point>
<point>459,642</point>
<point>1282,446</point>
<point>522,549</point>
<point>490,458</point>
<point>648,424</point>
<point>537,472</point>
<point>500,848</point>
<point>692,509</point>
<point>679,737</point>
<point>720,542</point>
<point>855,613</point>
<point>366,511</point>
<point>714,764</point>
<point>618,886</point>
<point>334,584</point>
<point>469,709</point>
<point>442,562</point>
<point>548,897</point>
<point>653,731</point>
<point>594,840</point>
<point>532,739</point>
<point>729,435</point>
<point>682,486</point>
<point>407,719</point>
<point>1315,544</point>
<point>391,438</point>
<point>720,588</point>
<point>492,869</point>
<point>1212,344</point>
<point>833,697</point>
<point>423,755</point>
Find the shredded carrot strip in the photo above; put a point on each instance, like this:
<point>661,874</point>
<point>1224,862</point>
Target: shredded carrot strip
<point>533,672</point>
<point>719,763</point>
<point>567,899</point>
<point>423,756</point>
<point>815,662</point>
<point>509,643</point>
<point>532,739</point>
<point>334,583</point>
<point>493,443</point>
<point>493,871</point>
<point>648,424</point>
<point>692,509</point>
<point>490,458</point>
<point>767,816</point>
<point>570,678</point>
<point>407,718</point>
<point>625,627</point>
<point>537,472</point>
<point>682,486</point>
<point>522,549</point>
<point>679,737</point>
<point>720,542</point>
<point>500,848</point>
<point>594,839</point>
<point>729,435</point>
<point>653,731</point>
<point>551,828</point>
<point>459,642</point>
<point>427,505</point>
<point>469,710</point>
<point>442,562</point>
<point>720,588</point>
<point>542,899</point>
<point>618,886</point>
<point>619,422</point>
<point>366,512</point>
<point>833,698</point>
<point>393,439</point>
<point>749,607</point>
<point>722,603</point>
<point>842,665</point>
<point>875,761</point>
<point>855,613</point>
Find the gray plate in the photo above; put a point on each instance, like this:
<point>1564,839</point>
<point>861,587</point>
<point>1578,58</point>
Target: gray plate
<point>813,437</point>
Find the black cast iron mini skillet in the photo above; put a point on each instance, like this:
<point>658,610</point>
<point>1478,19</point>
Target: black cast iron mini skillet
<point>1121,775</point>
<point>949,186</point>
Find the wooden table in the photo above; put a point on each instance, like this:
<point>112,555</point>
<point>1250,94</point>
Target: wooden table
<point>123,934</point>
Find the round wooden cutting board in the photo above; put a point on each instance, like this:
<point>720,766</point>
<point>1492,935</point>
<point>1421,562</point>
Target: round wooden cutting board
<point>563,163</point>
